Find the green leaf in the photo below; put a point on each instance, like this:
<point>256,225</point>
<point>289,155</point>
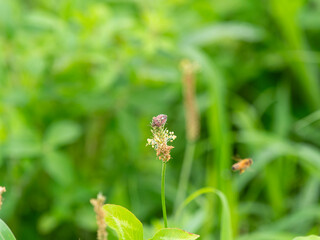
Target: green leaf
<point>124,222</point>
<point>61,133</point>
<point>22,142</point>
<point>311,237</point>
<point>221,32</point>
<point>22,146</point>
<point>173,234</point>
<point>5,232</point>
<point>59,167</point>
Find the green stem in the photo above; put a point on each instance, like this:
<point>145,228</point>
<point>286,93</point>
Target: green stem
<point>163,197</point>
<point>185,173</point>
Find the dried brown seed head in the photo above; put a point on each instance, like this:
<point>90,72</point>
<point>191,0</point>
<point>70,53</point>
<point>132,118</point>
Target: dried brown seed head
<point>2,190</point>
<point>98,208</point>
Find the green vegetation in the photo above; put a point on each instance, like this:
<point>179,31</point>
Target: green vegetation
<point>129,227</point>
<point>313,237</point>
<point>81,80</point>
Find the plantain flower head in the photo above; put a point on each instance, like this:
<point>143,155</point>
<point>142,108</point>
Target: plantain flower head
<point>161,138</point>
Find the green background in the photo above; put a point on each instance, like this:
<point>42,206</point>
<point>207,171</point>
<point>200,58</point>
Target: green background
<point>81,80</point>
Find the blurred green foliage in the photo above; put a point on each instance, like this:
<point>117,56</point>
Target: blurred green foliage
<point>81,80</point>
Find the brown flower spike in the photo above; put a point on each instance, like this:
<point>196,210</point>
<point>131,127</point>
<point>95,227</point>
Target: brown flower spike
<point>189,70</point>
<point>161,137</point>
<point>98,208</point>
<point>2,190</point>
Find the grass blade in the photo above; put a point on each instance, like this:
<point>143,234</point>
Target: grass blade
<point>226,228</point>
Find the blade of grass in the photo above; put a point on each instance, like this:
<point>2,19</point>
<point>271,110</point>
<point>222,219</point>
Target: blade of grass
<point>274,171</point>
<point>285,13</point>
<point>309,194</point>
<point>185,172</point>
<point>226,228</point>
<point>293,223</point>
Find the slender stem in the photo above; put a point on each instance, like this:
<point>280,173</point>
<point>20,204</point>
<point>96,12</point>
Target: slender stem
<point>163,197</point>
<point>185,173</point>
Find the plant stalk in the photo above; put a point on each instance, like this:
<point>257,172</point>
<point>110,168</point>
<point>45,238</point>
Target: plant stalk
<point>163,197</point>
<point>185,173</point>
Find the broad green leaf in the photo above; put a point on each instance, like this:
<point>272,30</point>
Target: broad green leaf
<point>5,232</point>
<point>59,167</point>
<point>311,237</point>
<point>174,234</point>
<point>124,222</point>
<point>61,133</point>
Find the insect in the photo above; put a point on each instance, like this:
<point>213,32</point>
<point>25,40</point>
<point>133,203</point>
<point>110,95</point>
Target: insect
<point>159,120</point>
<point>242,164</point>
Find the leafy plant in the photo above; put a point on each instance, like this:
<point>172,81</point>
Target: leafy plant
<point>128,227</point>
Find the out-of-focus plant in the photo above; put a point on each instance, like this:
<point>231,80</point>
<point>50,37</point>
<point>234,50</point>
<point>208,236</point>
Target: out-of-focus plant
<point>96,71</point>
<point>189,70</point>
<point>312,237</point>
